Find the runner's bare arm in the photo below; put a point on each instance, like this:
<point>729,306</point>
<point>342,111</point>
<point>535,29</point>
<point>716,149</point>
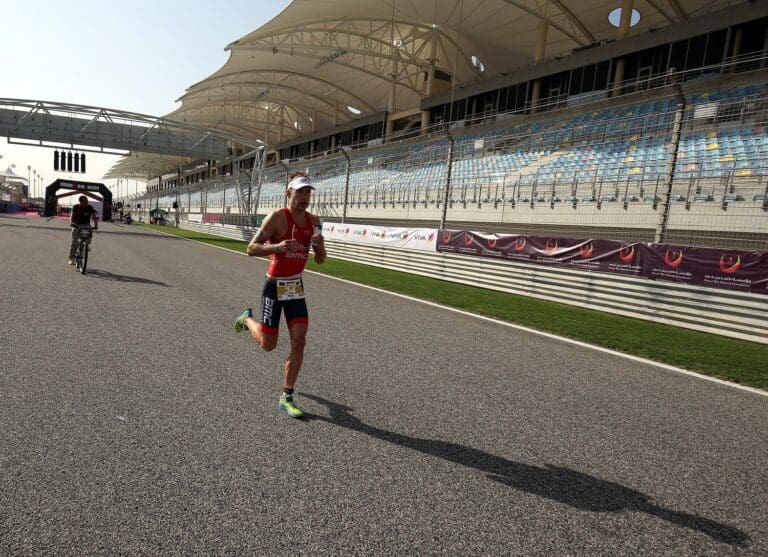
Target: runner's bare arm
<point>262,242</point>
<point>258,247</point>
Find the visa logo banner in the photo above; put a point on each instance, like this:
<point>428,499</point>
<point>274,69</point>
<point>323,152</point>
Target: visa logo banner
<point>424,239</point>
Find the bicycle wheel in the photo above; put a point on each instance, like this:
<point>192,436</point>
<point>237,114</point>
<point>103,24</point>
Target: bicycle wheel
<point>83,256</point>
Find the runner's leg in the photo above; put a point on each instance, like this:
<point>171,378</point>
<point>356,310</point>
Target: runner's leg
<point>265,331</point>
<point>298,332</point>
<point>297,316</point>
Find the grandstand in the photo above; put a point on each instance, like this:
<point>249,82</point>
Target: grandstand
<point>673,148</point>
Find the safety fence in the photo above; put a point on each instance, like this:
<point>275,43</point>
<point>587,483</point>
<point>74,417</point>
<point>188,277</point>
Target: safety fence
<point>686,164</point>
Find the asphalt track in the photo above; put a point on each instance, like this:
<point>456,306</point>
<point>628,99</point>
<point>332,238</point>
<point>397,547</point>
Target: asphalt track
<point>134,420</point>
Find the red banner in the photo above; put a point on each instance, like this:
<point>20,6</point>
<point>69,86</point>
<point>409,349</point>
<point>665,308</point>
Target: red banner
<point>719,268</point>
<point>730,269</point>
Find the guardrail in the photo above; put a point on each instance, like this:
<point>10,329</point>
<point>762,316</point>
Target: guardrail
<point>722,312</point>
<point>225,230</point>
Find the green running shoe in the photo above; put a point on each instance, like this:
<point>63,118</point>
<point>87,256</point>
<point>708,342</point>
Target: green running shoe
<point>240,321</point>
<point>289,407</point>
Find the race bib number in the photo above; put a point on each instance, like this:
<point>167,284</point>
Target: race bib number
<point>290,289</point>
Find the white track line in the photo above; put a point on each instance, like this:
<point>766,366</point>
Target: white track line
<point>521,328</point>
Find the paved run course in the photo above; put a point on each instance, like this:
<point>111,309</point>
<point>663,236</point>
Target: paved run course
<point>133,419</point>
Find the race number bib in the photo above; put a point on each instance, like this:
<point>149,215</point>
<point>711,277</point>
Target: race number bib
<point>290,289</point>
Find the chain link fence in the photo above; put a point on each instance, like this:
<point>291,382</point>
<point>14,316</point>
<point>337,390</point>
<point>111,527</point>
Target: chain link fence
<point>685,163</point>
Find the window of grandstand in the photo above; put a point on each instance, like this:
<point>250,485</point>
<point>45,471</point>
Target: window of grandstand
<point>614,17</point>
<point>589,78</point>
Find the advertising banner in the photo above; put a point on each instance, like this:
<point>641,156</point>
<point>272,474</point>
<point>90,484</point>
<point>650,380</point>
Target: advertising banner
<point>746,271</point>
<point>729,269</point>
<point>589,255</point>
<point>409,238</point>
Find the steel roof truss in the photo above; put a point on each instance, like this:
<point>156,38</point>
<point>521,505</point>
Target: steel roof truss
<point>555,20</point>
<point>657,5</point>
<point>304,81</point>
<point>327,39</point>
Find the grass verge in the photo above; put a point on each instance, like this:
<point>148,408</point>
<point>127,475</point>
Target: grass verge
<point>736,360</point>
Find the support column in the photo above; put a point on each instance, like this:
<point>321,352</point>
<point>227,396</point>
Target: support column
<point>424,121</point>
<point>541,49</point>
<point>737,42</point>
<point>390,127</point>
<point>626,17</point>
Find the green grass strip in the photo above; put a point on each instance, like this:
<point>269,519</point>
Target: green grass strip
<point>737,360</point>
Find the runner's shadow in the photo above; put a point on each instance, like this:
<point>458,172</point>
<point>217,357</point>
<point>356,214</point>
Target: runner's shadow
<point>123,278</point>
<point>556,483</point>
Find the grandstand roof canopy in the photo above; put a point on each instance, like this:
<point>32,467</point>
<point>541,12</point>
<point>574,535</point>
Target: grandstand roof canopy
<point>325,62</point>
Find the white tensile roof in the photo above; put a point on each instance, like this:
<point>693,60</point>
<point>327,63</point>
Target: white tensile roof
<point>322,62</point>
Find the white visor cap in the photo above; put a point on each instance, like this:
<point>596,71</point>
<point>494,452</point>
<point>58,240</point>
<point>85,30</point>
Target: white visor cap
<point>299,182</point>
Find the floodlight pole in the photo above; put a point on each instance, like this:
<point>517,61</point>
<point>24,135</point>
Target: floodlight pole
<point>449,162</point>
<point>287,179</point>
<point>346,183</point>
<point>255,211</point>
<point>663,223</point>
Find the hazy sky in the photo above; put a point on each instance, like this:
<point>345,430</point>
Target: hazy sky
<point>137,55</point>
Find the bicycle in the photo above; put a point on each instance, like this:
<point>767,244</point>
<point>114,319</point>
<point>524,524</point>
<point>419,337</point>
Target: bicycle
<point>84,233</point>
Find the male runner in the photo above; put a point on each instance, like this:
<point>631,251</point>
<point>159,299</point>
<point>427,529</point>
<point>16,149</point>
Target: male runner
<point>286,235</point>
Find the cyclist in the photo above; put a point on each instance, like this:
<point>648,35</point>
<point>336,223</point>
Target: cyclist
<point>82,214</point>
<point>286,235</point>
